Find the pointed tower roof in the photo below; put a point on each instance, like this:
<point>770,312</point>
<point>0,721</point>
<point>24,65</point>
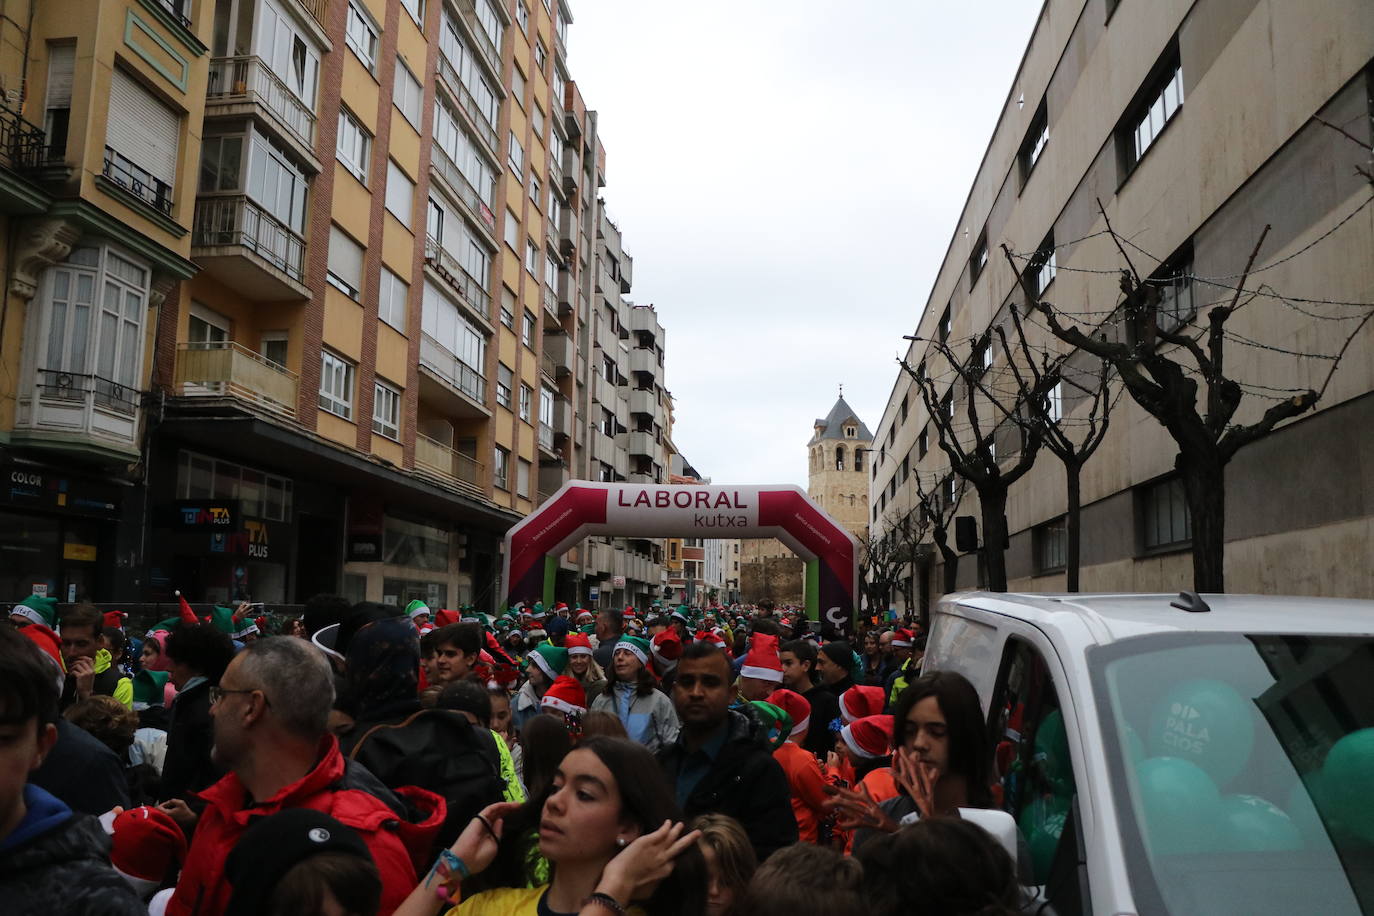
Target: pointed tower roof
<point>831,426</point>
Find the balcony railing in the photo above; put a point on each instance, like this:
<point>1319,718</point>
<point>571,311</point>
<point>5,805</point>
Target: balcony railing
<point>251,79</point>
<point>457,276</point>
<point>548,366</point>
<point>461,186</point>
<point>55,385</point>
<point>449,367</point>
<point>228,369</point>
<point>465,100</point>
<point>550,301</point>
<point>154,192</point>
<point>545,435</point>
<point>73,403</point>
<point>22,145</point>
<point>493,53</point>
<point>180,10</point>
<point>438,457</point>
<point>239,221</point>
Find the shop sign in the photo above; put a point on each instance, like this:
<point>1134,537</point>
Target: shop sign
<point>617,581</point>
<point>364,547</point>
<point>51,492</point>
<point>40,589</point>
<point>254,541</point>
<point>219,515</point>
<point>593,593</point>
<point>82,552</point>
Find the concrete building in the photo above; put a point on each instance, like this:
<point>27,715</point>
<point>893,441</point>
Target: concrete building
<point>1195,124</point>
<point>301,296</point>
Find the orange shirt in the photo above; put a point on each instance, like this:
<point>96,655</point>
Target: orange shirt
<point>808,788</point>
<point>880,784</point>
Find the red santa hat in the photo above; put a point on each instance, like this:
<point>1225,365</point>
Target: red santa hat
<point>146,846</point>
<point>797,707</point>
<point>188,616</point>
<point>667,648</point>
<point>869,737</point>
<point>566,695</point>
<point>50,645</point>
<point>443,617</point>
<point>861,701</point>
<point>901,639</point>
<point>762,661</point>
<point>577,644</point>
<point>113,620</point>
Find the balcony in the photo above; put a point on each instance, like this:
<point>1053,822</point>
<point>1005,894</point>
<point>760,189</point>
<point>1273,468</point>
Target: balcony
<point>638,443</point>
<point>546,437</point>
<point>644,318</point>
<point>563,418</point>
<point>603,392</point>
<point>644,400</point>
<point>80,411</point>
<point>318,9</point>
<point>449,74</point>
<point>248,249</point>
<point>604,283</point>
<point>627,267</point>
<point>550,300</point>
<point>644,359</point>
<point>246,85</point>
<point>228,369</point>
<point>460,389</point>
<point>459,186</point>
<point>136,181</point>
<point>473,294</point>
<point>479,35</point>
<point>548,367</point>
<point>452,466</point>
<point>23,146</point>
<point>567,291</point>
<point>558,349</point>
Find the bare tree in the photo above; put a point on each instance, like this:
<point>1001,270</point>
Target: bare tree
<point>972,452</point>
<point>1042,378</point>
<point>1150,361</point>
<point>879,566</point>
<point>938,509</point>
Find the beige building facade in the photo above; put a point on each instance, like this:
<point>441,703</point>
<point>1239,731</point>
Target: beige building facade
<point>1195,124</point>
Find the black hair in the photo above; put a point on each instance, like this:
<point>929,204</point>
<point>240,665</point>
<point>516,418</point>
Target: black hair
<point>202,648</point>
<point>766,625</point>
<point>805,651</point>
<point>804,878</point>
<point>83,615</point>
<point>352,880</point>
<point>938,865</point>
<point>465,637</point>
<point>427,644</point>
<point>29,688</point>
<point>970,753</point>
<point>116,640</point>
<point>616,618</point>
<point>322,610</point>
<point>467,696</point>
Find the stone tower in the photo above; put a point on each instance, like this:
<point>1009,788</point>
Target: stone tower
<point>839,466</point>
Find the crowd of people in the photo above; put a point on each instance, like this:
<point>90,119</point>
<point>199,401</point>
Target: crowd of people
<point>366,759</point>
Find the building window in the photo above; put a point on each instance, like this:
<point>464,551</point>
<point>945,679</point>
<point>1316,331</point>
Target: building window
<point>858,459</point>
<point>516,155</point>
<point>978,260</point>
<point>1050,543</point>
<point>1174,281</point>
<point>541,56</point>
<point>532,257</point>
<point>500,468</point>
<point>1054,406</point>
<point>1164,511</point>
<point>407,93</point>
<point>1158,102</point>
<point>1043,265</point>
<point>142,139</point>
<point>391,300</point>
<point>522,478</point>
<point>522,15</point>
<point>1037,135</point>
<point>386,411</point>
<point>535,191</point>
<point>526,402</point>
<point>512,230</point>
<point>490,23</point>
<point>260,495</point>
<point>345,264</point>
<point>527,327</point>
<point>946,324</point>
<point>353,144</point>
<point>57,107</point>
<point>504,380</point>
<point>537,122</point>
<point>336,385</point>
<point>416,9</point>
<point>400,193</point>
<point>360,34</point>
<point>923,443</point>
<point>508,308</point>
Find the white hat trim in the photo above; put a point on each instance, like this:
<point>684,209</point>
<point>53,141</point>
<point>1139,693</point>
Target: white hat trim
<point>762,674</point>
<point>848,735</point>
<point>633,650</point>
<point>801,726</point>
<point>562,705</point>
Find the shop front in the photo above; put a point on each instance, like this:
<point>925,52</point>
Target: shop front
<point>394,558</point>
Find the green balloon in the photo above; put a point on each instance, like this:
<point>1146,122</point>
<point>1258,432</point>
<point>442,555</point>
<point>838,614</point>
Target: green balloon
<point>1303,804</point>
<point>1251,824</point>
<point>1346,779</point>
<point>1042,823</point>
<point>1135,748</point>
<point>1052,754</point>
<point>1181,805</point>
<point>1207,722</point>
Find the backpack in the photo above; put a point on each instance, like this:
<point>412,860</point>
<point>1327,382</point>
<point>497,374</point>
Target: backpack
<point>438,750</point>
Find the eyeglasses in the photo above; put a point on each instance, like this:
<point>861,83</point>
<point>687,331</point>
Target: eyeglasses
<point>219,693</point>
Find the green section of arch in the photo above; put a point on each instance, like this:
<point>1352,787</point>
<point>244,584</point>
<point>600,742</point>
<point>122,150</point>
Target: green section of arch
<point>812,591</point>
<point>550,579</point>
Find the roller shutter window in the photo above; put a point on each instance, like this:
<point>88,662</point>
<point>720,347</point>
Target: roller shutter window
<point>58,105</point>
<point>142,129</point>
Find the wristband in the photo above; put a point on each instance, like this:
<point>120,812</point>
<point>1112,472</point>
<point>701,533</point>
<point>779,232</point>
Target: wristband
<point>454,864</point>
<point>607,901</point>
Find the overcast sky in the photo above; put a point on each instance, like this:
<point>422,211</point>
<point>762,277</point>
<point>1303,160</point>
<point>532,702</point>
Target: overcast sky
<point>787,177</point>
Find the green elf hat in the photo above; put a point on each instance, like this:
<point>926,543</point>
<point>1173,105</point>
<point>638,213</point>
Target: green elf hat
<point>149,687</point>
<point>222,618</point>
<point>503,624</point>
<point>551,659</point>
<point>680,613</point>
<point>636,646</point>
<point>588,628</point>
<point>776,721</point>
<point>37,609</point>
<point>169,625</point>
<point>416,608</point>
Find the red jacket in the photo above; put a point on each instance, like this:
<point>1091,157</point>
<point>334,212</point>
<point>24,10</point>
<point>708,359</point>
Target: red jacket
<point>343,790</point>
<point>808,784</point>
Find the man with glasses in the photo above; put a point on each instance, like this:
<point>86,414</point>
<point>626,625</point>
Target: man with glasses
<point>269,712</point>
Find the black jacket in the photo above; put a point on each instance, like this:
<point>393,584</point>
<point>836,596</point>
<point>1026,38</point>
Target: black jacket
<point>82,772</point>
<point>63,868</point>
<point>187,767</point>
<point>825,708</point>
<point>744,782</point>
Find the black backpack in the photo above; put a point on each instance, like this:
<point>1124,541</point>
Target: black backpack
<point>438,750</point>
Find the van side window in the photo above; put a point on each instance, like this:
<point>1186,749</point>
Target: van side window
<point>1034,771</point>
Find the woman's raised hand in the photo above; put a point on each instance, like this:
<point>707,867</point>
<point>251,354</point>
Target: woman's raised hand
<point>479,841</point>
<point>637,869</point>
<point>857,809</point>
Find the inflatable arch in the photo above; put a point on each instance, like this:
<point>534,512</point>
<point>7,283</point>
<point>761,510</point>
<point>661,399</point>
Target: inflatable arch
<point>581,509</point>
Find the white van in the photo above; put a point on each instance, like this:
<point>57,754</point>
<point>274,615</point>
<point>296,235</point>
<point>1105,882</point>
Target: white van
<point>1176,754</point>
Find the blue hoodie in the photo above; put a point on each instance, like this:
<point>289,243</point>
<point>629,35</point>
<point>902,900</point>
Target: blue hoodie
<point>44,813</point>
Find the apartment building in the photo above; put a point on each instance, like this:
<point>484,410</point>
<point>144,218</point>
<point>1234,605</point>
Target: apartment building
<point>1195,124</point>
<point>301,296</point>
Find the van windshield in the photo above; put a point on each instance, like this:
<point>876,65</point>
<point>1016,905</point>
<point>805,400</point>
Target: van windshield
<point>1243,771</point>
